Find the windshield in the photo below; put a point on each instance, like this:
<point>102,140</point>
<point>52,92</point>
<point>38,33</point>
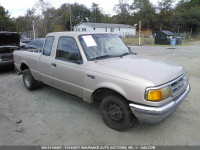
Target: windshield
<point>100,46</point>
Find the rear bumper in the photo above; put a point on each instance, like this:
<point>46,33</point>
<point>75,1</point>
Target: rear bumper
<point>154,115</point>
<point>5,63</point>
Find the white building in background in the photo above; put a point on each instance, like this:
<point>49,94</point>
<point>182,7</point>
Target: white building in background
<point>119,29</point>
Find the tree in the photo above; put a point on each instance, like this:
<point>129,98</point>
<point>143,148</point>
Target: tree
<point>80,13</point>
<point>164,17</point>
<point>41,8</point>
<point>37,16</point>
<point>5,22</point>
<point>96,14</point>
<point>52,20</point>
<point>25,23</point>
<point>144,11</point>
<point>107,18</point>
<point>123,12</point>
<point>64,13</point>
<point>187,15</point>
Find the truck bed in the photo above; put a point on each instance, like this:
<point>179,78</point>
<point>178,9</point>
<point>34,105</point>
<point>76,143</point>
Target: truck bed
<point>28,57</point>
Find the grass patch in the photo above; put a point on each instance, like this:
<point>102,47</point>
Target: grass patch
<point>135,41</point>
<point>151,41</point>
<point>191,42</point>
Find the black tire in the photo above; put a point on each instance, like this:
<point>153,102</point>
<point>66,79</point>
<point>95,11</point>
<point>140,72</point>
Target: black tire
<point>116,113</point>
<point>29,82</point>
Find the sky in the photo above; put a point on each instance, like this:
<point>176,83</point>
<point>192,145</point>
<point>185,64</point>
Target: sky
<point>19,7</point>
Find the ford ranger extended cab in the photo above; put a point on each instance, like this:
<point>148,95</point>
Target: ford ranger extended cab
<point>9,42</point>
<point>98,67</point>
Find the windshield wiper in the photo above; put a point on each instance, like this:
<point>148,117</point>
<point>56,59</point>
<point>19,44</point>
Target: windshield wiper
<point>102,57</point>
<point>111,56</point>
<point>121,56</point>
<point>124,54</point>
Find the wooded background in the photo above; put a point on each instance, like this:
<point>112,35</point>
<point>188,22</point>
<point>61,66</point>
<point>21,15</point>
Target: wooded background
<point>179,18</point>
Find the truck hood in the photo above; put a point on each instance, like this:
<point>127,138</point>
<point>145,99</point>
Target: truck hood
<point>9,39</point>
<point>155,70</point>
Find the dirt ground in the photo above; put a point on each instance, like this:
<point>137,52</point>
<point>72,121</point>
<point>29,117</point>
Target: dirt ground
<point>48,116</point>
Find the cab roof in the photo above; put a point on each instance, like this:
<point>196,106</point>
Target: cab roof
<point>73,33</point>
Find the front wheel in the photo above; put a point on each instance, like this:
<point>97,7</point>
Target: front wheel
<point>29,82</point>
<point>116,113</point>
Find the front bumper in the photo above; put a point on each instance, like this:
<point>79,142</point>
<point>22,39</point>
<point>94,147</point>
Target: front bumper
<point>7,63</point>
<point>154,115</point>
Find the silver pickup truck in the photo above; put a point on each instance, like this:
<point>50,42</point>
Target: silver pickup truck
<point>98,67</point>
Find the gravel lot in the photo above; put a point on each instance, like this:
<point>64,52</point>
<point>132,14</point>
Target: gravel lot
<point>48,116</point>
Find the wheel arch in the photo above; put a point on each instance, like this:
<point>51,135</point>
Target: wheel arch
<point>99,93</point>
<point>23,66</point>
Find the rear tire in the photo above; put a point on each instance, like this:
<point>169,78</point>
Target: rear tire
<point>29,82</point>
<point>116,113</point>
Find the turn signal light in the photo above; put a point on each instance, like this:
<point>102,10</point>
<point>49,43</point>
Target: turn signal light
<point>154,95</point>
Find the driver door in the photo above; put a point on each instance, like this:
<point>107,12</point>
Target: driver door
<point>67,70</point>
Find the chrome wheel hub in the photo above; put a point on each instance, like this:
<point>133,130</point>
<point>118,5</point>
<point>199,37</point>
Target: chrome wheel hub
<point>27,80</point>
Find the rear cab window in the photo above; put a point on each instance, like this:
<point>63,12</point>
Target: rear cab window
<point>48,46</point>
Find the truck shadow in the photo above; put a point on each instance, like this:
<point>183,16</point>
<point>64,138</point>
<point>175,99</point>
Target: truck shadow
<point>7,69</point>
<point>83,107</point>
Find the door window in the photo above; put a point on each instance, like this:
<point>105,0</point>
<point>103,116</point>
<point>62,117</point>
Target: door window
<point>67,50</point>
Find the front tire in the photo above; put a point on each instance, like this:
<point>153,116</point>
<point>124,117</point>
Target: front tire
<point>29,82</point>
<point>116,113</point>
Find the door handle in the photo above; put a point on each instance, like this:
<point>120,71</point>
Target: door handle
<point>53,64</point>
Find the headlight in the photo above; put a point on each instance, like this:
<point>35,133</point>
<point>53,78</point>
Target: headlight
<point>158,94</point>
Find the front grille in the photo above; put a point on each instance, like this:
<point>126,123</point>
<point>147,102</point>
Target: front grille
<point>178,86</point>
<point>7,50</point>
<point>6,53</point>
<point>6,58</point>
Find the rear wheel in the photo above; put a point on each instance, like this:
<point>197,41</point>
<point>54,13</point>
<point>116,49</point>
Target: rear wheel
<point>29,82</point>
<point>116,112</point>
